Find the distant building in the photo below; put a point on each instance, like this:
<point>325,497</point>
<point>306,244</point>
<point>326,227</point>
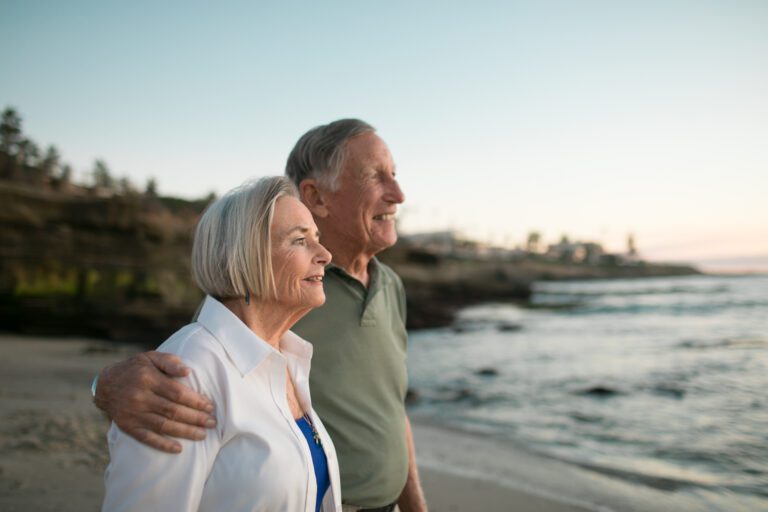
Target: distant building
<point>452,244</point>
<point>590,253</point>
<point>443,243</point>
<point>631,256</point>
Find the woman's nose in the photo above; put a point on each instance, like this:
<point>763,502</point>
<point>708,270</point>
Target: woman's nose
<point>323,256</point>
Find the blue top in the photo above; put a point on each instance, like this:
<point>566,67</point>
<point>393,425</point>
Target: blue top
<point>318,461</point>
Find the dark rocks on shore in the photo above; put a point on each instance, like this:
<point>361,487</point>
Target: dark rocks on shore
<point>508,327</point>
<point>412,396</point>
<point>464,394</point>
<point>599,391</point>
<point>585,418</point>
<point>671,390</point>
<point>455,393</point>
<point>434,301</point>
<point>438,286</point>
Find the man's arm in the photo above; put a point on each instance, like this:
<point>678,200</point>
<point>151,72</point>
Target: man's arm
<point>141,396</point>
<point>412,498</point>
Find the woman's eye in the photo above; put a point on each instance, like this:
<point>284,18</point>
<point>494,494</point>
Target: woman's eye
<point>300,241</point>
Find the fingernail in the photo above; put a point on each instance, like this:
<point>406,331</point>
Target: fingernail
<point>199,434</point>
<point>176,448</point>
<point>208,407</point>
<point>210,423</point>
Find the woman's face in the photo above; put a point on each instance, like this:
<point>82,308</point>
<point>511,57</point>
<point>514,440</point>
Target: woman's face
<point>298,259</point>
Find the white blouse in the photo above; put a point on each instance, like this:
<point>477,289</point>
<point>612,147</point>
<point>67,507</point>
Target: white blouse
<point>256,459</point>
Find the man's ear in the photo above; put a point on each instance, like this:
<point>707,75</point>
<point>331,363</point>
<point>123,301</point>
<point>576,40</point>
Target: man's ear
<point>313,197</point>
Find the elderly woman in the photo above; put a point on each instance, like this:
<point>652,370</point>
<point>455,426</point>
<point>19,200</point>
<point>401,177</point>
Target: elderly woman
<point>257,256</point>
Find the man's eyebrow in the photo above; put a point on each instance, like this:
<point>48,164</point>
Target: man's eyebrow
<point>368,172</point>
<point>384,169</point>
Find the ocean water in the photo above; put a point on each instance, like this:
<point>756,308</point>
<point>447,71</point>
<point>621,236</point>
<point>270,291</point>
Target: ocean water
<point>663,381</point>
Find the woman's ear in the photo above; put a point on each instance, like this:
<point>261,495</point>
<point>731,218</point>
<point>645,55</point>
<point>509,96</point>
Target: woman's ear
<point>313,197</point>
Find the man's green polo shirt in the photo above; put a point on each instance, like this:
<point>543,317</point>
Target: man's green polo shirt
<point>358,380</point>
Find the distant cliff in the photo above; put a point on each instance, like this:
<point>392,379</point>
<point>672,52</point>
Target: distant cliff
<point>105,266</point>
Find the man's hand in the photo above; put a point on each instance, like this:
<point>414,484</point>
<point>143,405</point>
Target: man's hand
<point>141,396</point>
<point>412,498</point>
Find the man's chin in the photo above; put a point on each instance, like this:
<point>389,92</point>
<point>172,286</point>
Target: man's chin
<point>384,243</point>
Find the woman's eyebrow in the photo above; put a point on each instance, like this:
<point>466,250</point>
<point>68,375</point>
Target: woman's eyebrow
<point>303,229</point>
<point>300,228</point>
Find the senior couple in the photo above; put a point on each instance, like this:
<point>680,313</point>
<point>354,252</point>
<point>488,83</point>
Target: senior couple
<point>234,386</point>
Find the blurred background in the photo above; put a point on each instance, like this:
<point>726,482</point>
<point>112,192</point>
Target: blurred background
<point>585,236</point>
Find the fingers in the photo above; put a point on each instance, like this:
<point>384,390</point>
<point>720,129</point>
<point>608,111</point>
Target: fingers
<point>156,441</point>
<point>142,397</point>
<point>182,431</point>
<point>175,413</point>
<point>159,418</point>
<point>181,395</point>
<point>169,427</point>
<point>169,364</point>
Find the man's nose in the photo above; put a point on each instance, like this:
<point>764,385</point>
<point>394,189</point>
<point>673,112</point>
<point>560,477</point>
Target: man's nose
<point>394,193</point>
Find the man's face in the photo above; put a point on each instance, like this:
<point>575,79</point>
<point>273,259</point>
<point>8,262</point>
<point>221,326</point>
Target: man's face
<point>362,209</point>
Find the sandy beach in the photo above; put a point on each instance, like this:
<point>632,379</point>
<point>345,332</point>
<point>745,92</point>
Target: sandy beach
<point>53,448</point>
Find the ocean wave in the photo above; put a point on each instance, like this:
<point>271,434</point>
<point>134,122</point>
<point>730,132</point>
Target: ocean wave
<point>736,343</point>
<point>675,309</point>
<point>629,292</point>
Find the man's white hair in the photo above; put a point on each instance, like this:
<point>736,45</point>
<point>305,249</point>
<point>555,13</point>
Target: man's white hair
<point>320,152</point>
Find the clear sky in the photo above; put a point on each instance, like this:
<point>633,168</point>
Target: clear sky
<point>587,118</point>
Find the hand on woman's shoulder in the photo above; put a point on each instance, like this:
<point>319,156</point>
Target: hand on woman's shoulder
<point>202,353</point>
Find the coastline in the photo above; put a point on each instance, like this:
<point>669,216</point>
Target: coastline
<point>53,447</point>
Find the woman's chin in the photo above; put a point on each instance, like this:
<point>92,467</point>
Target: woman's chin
<point>313,301</point>
<point>318,302</point>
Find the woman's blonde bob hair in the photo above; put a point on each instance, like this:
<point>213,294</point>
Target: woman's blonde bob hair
<point>232,250</point>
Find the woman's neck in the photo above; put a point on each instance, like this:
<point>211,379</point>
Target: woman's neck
<point>267,319</point>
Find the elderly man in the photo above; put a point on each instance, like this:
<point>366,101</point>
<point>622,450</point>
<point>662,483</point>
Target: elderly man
<point>346,177</point>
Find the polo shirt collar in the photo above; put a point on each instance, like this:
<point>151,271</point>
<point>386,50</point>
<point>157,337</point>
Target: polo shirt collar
<point>243,346</point>
<point>377,277</point>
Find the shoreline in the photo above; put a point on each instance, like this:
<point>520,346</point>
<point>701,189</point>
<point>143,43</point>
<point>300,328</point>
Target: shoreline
<point>510,471</point>
<point>53,447</point>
